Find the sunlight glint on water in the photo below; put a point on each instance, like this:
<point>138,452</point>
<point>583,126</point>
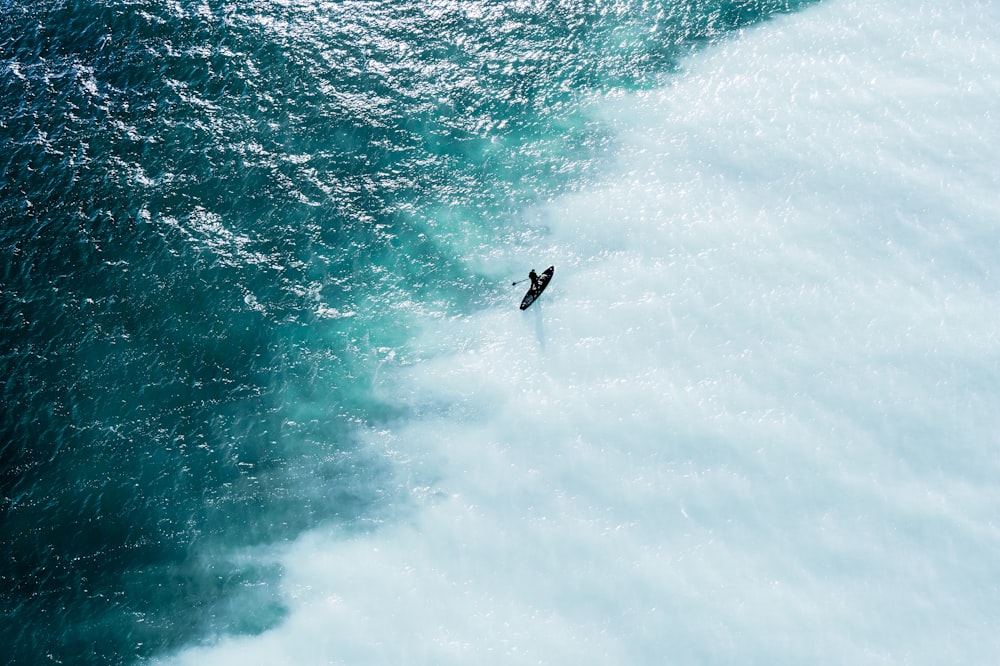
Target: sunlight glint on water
<point>752,418</point>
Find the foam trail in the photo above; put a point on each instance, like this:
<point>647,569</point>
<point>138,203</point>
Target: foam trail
<point>752,418</point>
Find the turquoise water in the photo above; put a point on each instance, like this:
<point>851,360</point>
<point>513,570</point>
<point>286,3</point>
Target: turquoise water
<point>220,223</point>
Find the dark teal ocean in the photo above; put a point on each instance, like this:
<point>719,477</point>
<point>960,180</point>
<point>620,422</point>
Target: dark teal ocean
<point>217,219</point>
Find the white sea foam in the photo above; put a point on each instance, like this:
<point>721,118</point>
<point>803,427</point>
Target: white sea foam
<point>753,420</point>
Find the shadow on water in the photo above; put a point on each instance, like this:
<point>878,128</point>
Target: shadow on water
<point>539,325</point>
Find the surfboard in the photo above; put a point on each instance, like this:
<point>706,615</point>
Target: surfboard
<point>536,290</point>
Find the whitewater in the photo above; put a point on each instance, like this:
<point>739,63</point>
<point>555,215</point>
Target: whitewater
<point>752,420</point>
<point>266,395</point>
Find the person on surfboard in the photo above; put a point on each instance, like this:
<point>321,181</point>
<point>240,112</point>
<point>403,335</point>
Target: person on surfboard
<point>538,284</point>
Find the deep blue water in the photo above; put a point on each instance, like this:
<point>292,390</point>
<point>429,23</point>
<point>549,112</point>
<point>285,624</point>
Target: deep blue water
<point>218,220</point>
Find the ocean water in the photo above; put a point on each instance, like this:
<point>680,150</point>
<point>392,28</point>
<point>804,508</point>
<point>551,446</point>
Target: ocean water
<point>268,398</point>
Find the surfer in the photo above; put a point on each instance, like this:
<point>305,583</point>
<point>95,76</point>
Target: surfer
<point>533,276</point>
<point>538,284</point>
